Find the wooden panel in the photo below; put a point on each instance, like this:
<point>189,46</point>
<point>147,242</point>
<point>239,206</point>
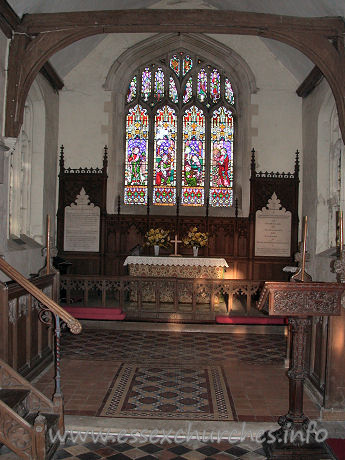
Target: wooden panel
<point>28,344</point>
<point>229,237</point>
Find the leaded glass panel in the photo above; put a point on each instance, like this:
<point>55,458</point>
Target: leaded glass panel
<point>164,173</point>
<point>215,85</point>
<point>187,64</point>
<point>202,85</point>
<point>173,95</point>
<point>229,94</point>
<point>159,84</point>
<point>146,84</point>
<point>193,157</point>
<point>137,128</point>
<point>132,90</point>
<point>188,92</point>
<point>221,174</point>
<point>175,64</point>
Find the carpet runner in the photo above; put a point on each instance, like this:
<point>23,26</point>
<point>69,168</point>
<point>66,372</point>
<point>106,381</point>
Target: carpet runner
<point>337,447</point>
<point>169,392</point>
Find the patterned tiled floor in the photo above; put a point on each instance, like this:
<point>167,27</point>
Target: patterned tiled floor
<point>255,349</point>
<point>253,365</point>
<point>194,450</point>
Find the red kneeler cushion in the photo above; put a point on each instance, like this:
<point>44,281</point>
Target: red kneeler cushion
<point>250,320</point>
<point>115,314</point>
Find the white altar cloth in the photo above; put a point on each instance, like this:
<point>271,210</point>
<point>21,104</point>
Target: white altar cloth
<point>177,261</point>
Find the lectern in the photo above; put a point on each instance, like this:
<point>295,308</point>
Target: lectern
<point>299,302</point>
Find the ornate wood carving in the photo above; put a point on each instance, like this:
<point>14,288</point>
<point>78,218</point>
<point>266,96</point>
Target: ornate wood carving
<point>298,301</point>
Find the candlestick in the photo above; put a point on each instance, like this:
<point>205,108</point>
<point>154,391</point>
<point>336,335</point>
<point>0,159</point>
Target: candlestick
<point>305,228</point>
<point>339,233</point>
<point>48,244</point>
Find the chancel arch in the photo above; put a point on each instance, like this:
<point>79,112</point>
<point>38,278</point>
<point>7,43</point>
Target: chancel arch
<point>207,53</point>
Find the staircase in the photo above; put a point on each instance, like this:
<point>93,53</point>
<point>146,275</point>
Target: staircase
<point>29,421</point>
<point>27,417</point>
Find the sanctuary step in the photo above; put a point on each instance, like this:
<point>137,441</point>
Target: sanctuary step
<point>109,313</point>
<point>30,412</point>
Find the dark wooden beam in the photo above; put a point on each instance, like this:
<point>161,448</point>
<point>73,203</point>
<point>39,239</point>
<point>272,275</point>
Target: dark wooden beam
<point>310,83</point>
<point>50,74</point>
<point>39,36</point>
<point>214,21</point>
<point>8,19</point>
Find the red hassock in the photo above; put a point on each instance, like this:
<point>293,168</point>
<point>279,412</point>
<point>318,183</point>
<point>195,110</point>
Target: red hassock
<point>250,320</point>
<point>114,314</point>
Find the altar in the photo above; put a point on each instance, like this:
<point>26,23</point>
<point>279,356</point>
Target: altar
<point>191,268</point>
<point>176,267</point>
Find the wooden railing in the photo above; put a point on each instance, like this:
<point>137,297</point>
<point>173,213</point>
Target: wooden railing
<point>49,303</point>
<point>157,298</point>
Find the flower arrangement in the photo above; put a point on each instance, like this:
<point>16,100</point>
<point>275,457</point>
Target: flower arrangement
<point>157,237</point>
<point>195,238</point>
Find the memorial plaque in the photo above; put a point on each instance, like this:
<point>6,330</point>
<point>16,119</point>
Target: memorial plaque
<point>273,230</point>
<point>82,221</point>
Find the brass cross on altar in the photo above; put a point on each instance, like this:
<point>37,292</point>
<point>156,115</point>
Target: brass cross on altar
<point>175,241</point>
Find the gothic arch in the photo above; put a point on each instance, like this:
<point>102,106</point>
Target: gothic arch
<point>242,79</point>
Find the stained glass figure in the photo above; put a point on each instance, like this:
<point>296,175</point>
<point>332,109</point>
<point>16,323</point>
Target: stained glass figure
<point>175,64</point>
<point>159,84</point>
<point>137,128</point>
<point>146,84</point>
<point>221,175</point>
<point>173,95</point>
<point>193,157</point>
<point>164,172</point>
<point>187,64</point>
<point>132,90</point>
<point>229,94</point>
<point>202,85</point>
<point>188,92</point>
<point>215,85</point>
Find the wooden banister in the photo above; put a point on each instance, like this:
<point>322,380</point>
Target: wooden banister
<point>73,324</point>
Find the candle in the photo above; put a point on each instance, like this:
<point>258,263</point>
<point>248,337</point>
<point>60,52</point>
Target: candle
<point>48,244</point>
<point>340,233</point>
<point>305,227</point>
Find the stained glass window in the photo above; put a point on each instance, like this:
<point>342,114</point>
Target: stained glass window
<point>221,174</point>
<point>132,90</point>
<point>164,169</point>
<point>193,157</point>
<point>159,84</point>
<point>173,95</point>
<point>229,94</point>
<point>146,84</point>
<point>202,85</point>
<point>187,64</point>
<point>188,92</point>
<point>137,128</point>
<point>175,64</point>
<point>215,85</point>
<point>180,135</point>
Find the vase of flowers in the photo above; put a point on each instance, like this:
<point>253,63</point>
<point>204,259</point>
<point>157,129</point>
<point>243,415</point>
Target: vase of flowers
<point>195,239</point>
<point>158,238</point>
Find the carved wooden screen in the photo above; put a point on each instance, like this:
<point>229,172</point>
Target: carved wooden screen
<point>262,186</point>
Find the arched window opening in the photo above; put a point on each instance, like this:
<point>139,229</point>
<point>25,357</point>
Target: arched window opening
<point>180,128</point>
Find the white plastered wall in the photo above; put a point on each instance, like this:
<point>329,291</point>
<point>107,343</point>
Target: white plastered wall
<point>85,108</point>
<point>321,136</point>
<point>27,258</point>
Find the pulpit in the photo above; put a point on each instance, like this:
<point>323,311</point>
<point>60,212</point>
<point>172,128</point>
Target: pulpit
<point>299,301</point>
